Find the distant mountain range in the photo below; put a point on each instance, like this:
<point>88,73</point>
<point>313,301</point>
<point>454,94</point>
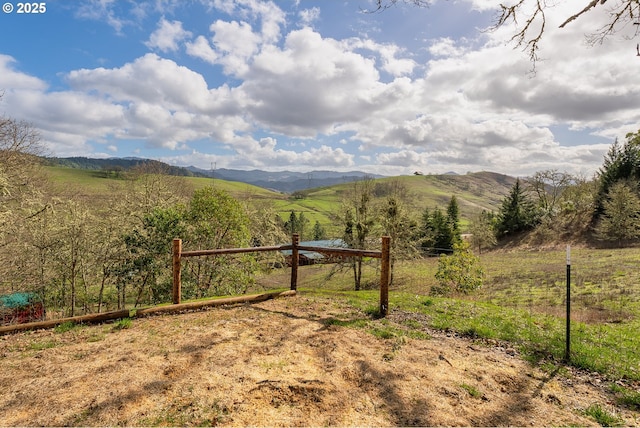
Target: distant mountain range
<point>282,181</point>
<point>285,181</point>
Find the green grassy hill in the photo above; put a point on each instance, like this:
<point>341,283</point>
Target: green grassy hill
<point>93,182</point>
<point>475,192</point>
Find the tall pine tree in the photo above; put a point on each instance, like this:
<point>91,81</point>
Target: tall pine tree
<point>517,212</point>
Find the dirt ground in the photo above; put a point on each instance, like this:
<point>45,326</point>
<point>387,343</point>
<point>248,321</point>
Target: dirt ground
<point>280,363</point>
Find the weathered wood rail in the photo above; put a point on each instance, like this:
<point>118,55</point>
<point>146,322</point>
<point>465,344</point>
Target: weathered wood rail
<point>384,254</point>
<point>142,312</point>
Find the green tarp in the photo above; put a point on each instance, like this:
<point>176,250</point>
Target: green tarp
<point>17,300</point>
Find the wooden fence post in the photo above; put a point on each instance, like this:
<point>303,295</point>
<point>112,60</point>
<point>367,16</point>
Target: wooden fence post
<point>177,264</point>
<point>385,275</point>
<point>295,241</point>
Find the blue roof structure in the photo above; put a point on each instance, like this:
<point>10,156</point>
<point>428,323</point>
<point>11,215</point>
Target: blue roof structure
<point>313,255</point>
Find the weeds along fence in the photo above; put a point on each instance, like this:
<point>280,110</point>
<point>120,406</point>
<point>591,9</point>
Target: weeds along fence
<point>384,255</point>
<point>524,296</point>
<point>605,283</point>
<point>178,256</point>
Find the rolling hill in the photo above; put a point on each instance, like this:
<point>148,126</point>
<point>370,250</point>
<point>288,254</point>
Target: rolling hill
<point>474,191</point>
<point>281,181</point>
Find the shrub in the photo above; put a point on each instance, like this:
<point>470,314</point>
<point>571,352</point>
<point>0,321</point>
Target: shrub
<point>459,272</point>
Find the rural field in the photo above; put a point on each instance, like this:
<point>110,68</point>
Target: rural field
<point>495,356</point>
<point>323,358</point>
<point>293,361</point>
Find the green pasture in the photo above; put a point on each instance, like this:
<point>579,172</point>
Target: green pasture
<point>522,302</point>
<point>88,181</point>
<point>100,182</point>
<point>475,192</point>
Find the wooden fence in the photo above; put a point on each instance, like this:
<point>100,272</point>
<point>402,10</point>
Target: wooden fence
<point>295,248</point>
<point>178,254</point>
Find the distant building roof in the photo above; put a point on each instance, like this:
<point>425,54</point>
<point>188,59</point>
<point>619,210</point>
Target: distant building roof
<point>327,243</point>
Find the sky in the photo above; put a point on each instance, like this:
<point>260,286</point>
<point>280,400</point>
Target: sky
<point>306,85</point>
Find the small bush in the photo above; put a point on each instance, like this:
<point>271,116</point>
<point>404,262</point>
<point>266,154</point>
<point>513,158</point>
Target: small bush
<point>472,390</point>
<point>459,272</point>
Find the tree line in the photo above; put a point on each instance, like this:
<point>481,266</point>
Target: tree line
<point>556,205</point>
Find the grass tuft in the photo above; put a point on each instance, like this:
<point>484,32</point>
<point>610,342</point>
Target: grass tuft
<point>472,390</point>
<point>65,326</point>
<point>602,416</point>
<point>122,324</point>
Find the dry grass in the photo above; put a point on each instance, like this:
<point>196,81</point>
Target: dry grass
<point>284,362</point>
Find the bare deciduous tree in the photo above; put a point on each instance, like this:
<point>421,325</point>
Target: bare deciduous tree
<point>530,17</point>
<point>530,32</point>
<point>548,187</point>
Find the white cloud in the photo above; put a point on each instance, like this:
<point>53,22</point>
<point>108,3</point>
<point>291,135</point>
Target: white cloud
<point>13,80</point>
<point>235,43</point>
<point>167,36</point>
<point>200,48</point>
<point>309,16</point>
<point>150,79</point>
<point>389,56</point>
<point>102,10</point>
<point>446,47</point>
<point>310,84</point>
<point>470,104</point>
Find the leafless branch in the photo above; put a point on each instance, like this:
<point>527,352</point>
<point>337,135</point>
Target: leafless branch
<point>529,36</point>
<point>381,5</point>
<point>621,16</point>
<point>590,6</point>
<point>522,36</point>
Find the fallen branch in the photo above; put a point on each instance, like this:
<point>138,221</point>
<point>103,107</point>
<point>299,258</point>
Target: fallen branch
<point>145,312</point>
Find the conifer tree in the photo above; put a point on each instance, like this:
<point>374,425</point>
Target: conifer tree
<point>620,163</point>
<point>517,212</point>
<point>621,214</point>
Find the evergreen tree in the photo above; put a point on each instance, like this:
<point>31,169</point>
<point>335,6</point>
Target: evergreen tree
<point>453,218</point>
<point>303,222</point>
<point>620,163</point>
<point>291,225</point>
<point>621,215</point>
<point>297,223</point>
<point>318,232</point>
<point>437,233</point>
<point>517,212</point>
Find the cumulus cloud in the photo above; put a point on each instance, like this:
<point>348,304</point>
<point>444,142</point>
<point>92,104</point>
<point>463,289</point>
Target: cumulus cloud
<point>464,104</point>
<point>167,36</point>
<point>150,79</point>
<point>310,84</point>
<point>13,80</point>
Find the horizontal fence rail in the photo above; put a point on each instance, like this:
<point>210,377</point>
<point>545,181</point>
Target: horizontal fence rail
<point>295,247</point>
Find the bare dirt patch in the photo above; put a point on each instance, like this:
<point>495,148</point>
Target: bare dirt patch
<point>280,362</point>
